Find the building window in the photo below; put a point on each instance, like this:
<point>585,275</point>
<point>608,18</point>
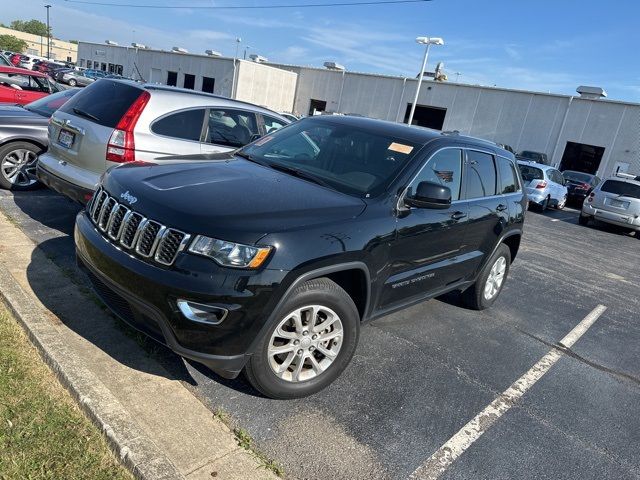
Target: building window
<point>208,84</point>
<point>119,69</point>
<point>189,81</point>
<point>69,59</point>
<point>32,51</point>
<point>81,62</point>
<point>172,79</point>
<point>103,66</point>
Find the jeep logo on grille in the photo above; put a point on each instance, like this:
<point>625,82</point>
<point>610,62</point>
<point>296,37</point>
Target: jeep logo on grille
<point>127,197</point>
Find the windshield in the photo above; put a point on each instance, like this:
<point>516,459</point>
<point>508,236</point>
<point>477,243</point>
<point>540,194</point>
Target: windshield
<point>47,105</point>
<point>530,173</point>
<point>621,188</point>
<point>350,160</point>
<point>577,176</point>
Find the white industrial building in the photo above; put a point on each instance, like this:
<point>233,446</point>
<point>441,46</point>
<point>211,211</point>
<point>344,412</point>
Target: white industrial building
<point>582,132</point>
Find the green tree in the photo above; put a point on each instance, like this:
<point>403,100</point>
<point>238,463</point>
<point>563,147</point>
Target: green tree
<point>75,42</point>
<point>36,27</point>
<point>9,42</point>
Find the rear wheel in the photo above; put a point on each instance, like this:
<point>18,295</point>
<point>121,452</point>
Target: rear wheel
<point>309,344</point>
<point>18,166</point>
<point>489,284</point>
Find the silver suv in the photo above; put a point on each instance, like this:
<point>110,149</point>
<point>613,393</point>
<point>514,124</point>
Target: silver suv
<point>117,121</point>
<point>615,201</point>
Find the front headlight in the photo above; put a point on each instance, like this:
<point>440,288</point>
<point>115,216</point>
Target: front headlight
<point>229,254</point>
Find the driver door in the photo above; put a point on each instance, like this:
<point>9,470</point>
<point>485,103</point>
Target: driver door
<point>426,253</point>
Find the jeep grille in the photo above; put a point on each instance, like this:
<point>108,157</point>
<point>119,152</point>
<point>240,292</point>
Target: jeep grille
<point>135,233</point>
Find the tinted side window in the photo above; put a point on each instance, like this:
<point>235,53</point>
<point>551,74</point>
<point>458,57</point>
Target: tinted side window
<point>233,128</point>
<point>443,168</point>
<point>481,175</point>
<point>186,125</point>
<point>508,176</point>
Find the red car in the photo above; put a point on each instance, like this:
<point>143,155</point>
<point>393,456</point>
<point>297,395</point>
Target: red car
<point>21,86</point>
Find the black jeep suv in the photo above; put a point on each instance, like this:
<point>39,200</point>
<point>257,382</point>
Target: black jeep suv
<point>268,259</point>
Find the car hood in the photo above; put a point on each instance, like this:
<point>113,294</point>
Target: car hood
<point>232,198</point>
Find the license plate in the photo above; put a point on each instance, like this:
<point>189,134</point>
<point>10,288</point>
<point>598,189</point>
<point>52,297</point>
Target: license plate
<point>66,138</point>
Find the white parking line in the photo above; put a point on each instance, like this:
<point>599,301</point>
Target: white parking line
<point>472,431</point>
<point>563,218</point>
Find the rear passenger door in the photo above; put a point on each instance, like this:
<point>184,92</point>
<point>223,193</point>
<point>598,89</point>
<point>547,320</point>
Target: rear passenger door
<point>228,129</point>
<point>488,210</point>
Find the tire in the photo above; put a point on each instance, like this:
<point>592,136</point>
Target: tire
<point>563,203</point>
<point>474,297</point>
<point>328,299</point>
<point>544,205</point>
<point>73,82</point>
<point>23,157</point>
<point>583,219</point>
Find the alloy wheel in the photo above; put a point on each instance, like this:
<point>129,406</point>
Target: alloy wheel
<point>305,343</point>
<point>19,167</point>
<point>495,278</point>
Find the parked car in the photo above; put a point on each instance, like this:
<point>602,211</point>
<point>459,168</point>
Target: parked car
<point>579,185</point>
<point>615,201</point>
<point>537,157</point>
<point>4,61</point>
<point>23,136</point>
<point>74,78</point>
<point>21,86</point>
<point>508,148</point>
<point>269,258</point>
<point>117,121</point>
<point>545,186</point>
<point>290,116</point>
<point>95,74</point>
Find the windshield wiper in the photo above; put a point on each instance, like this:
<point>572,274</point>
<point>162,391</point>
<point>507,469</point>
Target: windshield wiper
<point>82,113</point>
<point>300,174</point>
<point>242,154</point>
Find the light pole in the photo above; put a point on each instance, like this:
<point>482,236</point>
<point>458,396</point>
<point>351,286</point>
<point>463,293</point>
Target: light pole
<point>48,34</point>
<point>245,51</point>
<point>428,41</point>
<point>235,61</point>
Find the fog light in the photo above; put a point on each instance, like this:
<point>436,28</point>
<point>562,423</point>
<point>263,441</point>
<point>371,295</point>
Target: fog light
<point>201,312</point>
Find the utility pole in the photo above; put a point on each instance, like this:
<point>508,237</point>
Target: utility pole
<point>48,34</point>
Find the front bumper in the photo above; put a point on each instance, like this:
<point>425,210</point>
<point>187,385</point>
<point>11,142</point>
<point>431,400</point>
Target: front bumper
<point>620,219</point>
<point>144,295</point>
<point>60,185</point>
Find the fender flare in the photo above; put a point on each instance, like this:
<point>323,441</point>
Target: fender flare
<point>308,275</point>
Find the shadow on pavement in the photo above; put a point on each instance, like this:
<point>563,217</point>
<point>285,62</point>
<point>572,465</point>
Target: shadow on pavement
<point>81,311</point>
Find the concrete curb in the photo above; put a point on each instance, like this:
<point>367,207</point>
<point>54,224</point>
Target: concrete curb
<point>137,452</point>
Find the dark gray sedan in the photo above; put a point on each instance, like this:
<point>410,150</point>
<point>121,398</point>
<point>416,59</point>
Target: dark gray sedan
<point>23,136</point>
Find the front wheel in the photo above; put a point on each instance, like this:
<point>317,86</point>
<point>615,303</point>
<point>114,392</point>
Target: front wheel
<point>73,82</point>
<point>309,344</point>
<point>489,284</point>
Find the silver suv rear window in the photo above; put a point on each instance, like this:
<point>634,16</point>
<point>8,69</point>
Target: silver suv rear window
<point>104,102</point>
<point>621,188</point>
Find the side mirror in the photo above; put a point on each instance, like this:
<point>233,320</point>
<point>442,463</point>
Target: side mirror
<point>430,195</point>
<point>255,137</point>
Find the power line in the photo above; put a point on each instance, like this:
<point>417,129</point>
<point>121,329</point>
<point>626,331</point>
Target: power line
<point>247,7</point>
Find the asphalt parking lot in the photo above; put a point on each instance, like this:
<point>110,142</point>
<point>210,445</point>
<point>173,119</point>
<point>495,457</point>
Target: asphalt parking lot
<point>420,375</point>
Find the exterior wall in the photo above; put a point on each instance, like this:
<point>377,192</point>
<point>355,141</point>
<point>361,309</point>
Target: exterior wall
<point>37,45</point>
<point>154,65</point>
<point>266,86</point>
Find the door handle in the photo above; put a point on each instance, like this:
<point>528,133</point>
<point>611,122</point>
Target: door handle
<point>458,215</point>
<point>501,207</point>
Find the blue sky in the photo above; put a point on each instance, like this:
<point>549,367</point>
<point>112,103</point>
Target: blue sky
<point>542,45</point>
